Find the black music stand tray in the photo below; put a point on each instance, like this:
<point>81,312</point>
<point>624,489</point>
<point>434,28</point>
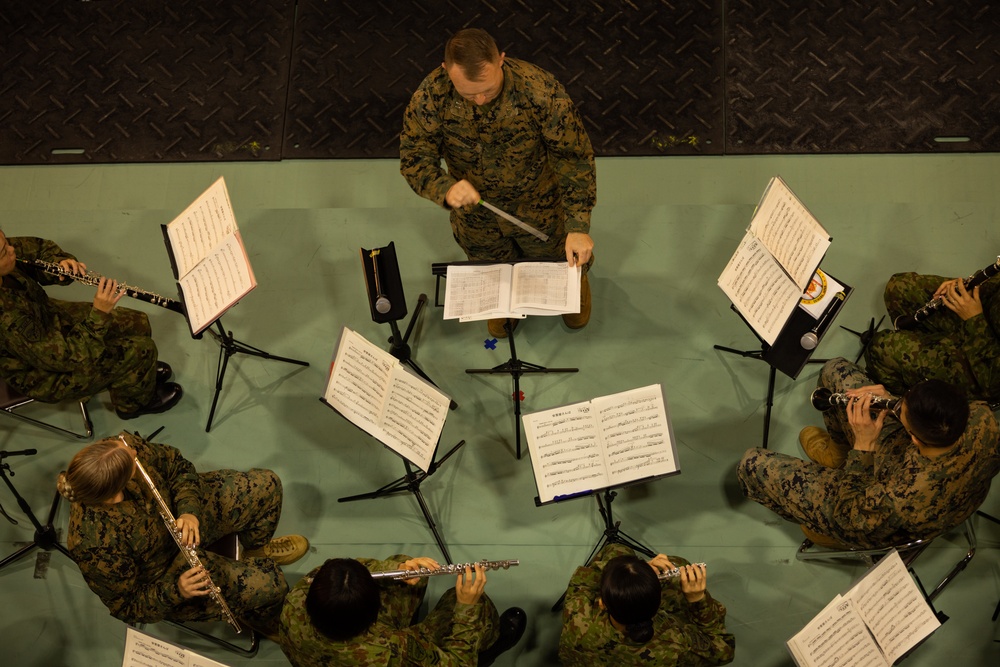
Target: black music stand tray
<point>787,354</point>
<point>613,534</point>
<point>385,289</point>
<point>45,536</point>
<point>228,347</point>
<point>410,483</point>
<point>516,368</point>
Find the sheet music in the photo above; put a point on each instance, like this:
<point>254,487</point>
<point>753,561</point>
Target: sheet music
<point>201,226</point>
<point>636,434</point>
<point>217,282</point>
<point>836,637</point>
<point>892,606</point>
<point>551,285</point>
<point>359,381</point>
<point>607,441</point>
<point>142,650</point>
<point>473,290</point>
<point>790,232</point>
<point>373,390</point>
<point>759,288</point>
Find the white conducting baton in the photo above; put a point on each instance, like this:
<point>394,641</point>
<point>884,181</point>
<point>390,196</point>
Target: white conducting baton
<point>523,225</point>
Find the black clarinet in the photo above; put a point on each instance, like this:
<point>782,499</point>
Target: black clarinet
<point>823,399</point>
<point>904,322</point>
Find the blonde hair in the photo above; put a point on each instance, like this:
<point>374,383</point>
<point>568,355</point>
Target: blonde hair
<point>97,473</point>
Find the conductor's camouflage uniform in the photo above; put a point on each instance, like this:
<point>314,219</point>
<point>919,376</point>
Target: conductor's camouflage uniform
<point>526,152</point>
<point>883,498</point>
<point>452,635</point>
<point>684,633</point>
<point>53,350</point>
<point>941,347</point>
<point>130,560</point>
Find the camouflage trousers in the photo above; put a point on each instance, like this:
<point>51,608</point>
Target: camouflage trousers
<point>400,608</point>
<point>931,351</point>
<point>126,367</point>
<point>803,491</point>
<point>248,504</point>
<point>485,236</point>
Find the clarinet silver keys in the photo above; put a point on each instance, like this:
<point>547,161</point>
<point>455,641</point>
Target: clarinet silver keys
<point>670,574</point>
<point>823,399</point>
<point>455,569</point>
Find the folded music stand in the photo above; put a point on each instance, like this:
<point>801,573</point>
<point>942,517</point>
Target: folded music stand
<point>388,304</point>
<point>514,367</point>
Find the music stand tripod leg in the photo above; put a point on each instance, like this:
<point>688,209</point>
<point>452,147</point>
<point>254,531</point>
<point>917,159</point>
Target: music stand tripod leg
<point>45,536</point>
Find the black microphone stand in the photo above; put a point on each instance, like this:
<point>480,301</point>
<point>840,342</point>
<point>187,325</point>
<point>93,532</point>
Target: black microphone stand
<point>45,536</point>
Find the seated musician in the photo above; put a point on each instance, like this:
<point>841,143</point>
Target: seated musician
<point>129,558</point>
<point>338,614</point>
<point>618,613</point>
<point>883,479</point>
<point>52,350</point>
<point>958,343</point>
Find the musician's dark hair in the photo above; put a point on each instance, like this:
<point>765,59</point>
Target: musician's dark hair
<point>630,590</point>
<point>471,49</point>
<point>97,473</point>
<point>343,600</point>
<point>937,412</point>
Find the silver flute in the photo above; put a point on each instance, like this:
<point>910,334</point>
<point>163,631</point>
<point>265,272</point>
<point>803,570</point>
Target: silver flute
<point>458,568</point>
<point>190,553</point>
<point>91,278</point>
<point>670,574</point>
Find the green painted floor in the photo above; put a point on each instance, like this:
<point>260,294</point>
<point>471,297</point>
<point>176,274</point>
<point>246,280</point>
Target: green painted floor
<point>664,229</point>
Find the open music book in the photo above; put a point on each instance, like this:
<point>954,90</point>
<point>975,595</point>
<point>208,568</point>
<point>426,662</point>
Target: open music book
<point>608,441</point>
<point>142,650</point>
<point>875,623</point>
<point>489,291</point>
<point>775,261</point>
<point>376,393</point>
<point>208,258</point>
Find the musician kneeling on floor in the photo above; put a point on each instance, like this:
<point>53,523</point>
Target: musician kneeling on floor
<point>52,350</point>
<point>872,482</point>
<point>619,613</point>
<point>128,556</point>
<point>339,615</point>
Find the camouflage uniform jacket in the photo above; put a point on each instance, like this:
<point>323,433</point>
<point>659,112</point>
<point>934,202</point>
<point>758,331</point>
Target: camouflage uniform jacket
<point>897,495</point>
<point>527,152</point>
<point>390,641</point>
<point>124,550</point>
<point>36,336</point>
<point>684,633</point>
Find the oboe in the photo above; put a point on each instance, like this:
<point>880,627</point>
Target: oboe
<point>904,322</point>
<point>456,569</point>
<point>824,399</point>
<point>91,278</point>
<point>670,574</point>
<point>190,554</point>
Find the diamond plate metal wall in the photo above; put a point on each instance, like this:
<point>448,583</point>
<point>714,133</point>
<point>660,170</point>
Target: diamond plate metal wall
<point>646,75</point>
<point>143,80</point>
<point>851,76</point>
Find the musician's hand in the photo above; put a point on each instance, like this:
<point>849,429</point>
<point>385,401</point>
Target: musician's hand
<point>694,581</point>
<point>873,389</point>
<point>108,295</point>
<point>416,564</point>
<point>579,248</point>
<point>462,194</point>
<point>188,525</point>
<point>74,267</point>
<point>865,428</point>
<point>961,302</point>
<point>469,586</point>
<point>193,583</point>
<point>947,286</point>
<point>661,564</point>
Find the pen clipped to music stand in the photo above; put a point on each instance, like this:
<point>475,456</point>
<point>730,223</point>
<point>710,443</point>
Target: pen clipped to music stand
<point>384,287</point>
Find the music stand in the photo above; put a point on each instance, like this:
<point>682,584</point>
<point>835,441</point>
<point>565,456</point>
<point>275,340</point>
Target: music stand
<point>787,354</point>
<point>388,304</point>
<point>46,536</point>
